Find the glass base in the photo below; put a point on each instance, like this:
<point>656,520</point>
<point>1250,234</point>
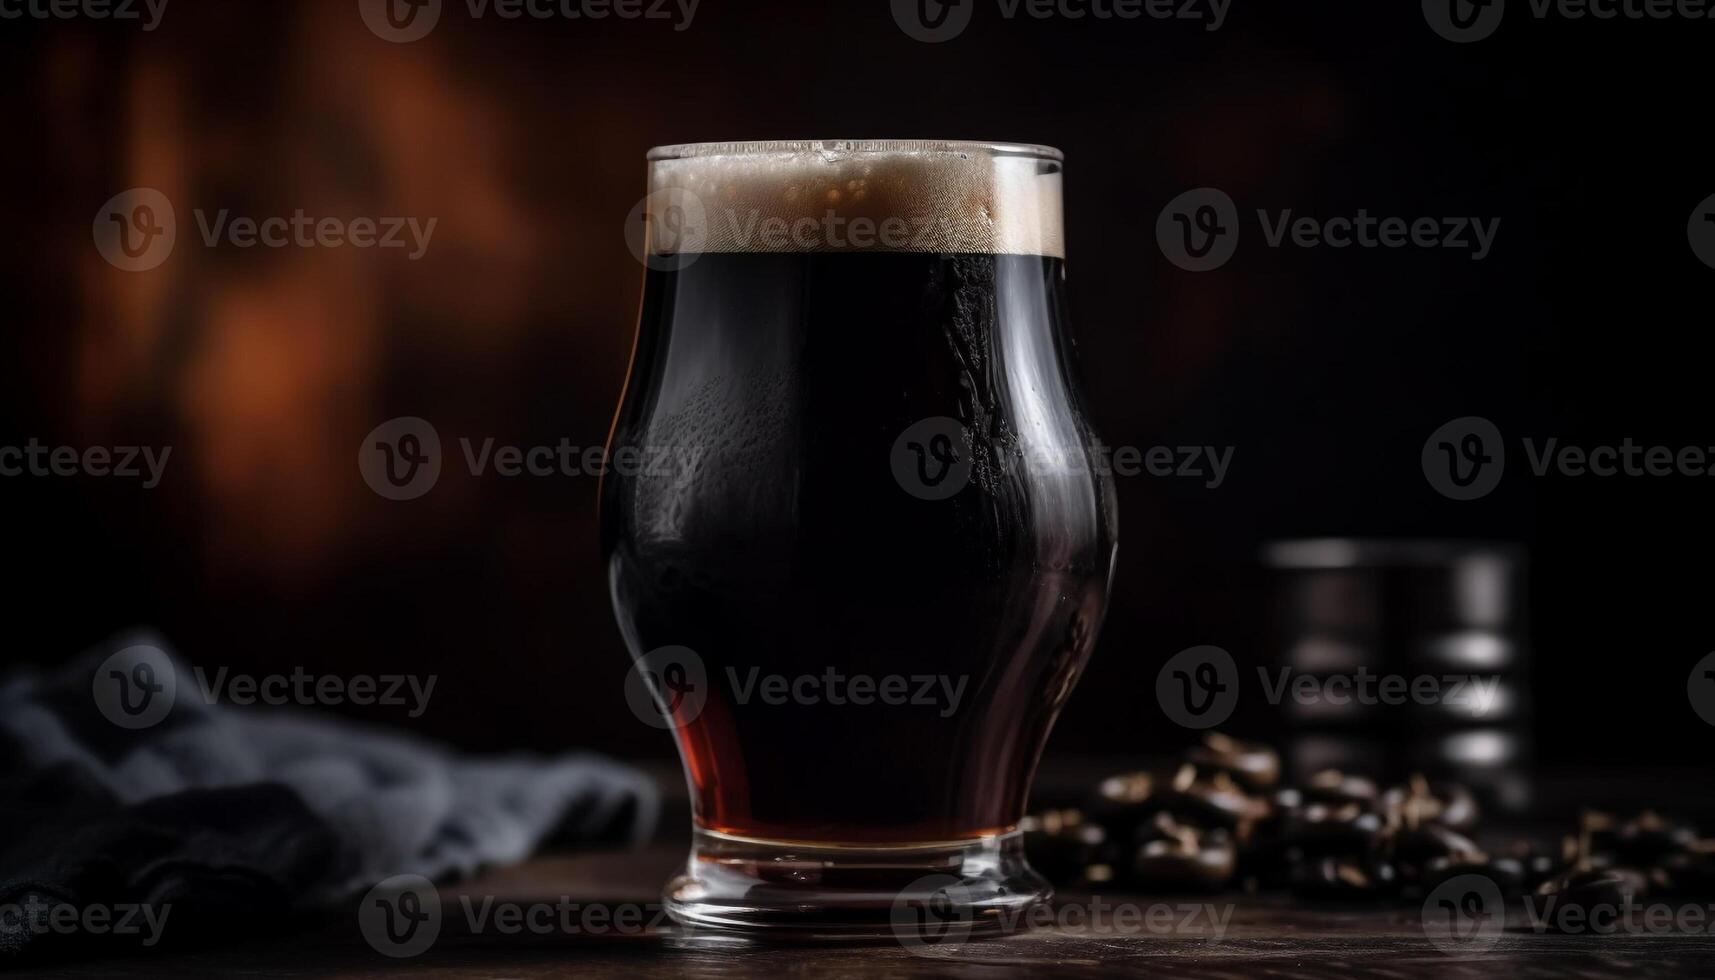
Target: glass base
<point>919,894</point>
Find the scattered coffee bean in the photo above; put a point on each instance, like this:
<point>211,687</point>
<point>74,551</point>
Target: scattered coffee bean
<point>1122,803</point>
<point>1213,799</point>
<point>1060,844</point>
<point>1096,876</point>
<point>1344,879</point>
<point>1413,848</point>
<point>1690,875</point>
<point>1183,858</point>
<point>1220,820</point>
<point>1335,788</point>
<point>1420,802</point>
<point>1255,767</point>
<point>1648,838</point>
<point>1588,891</point>
<point>1535,866</point>
<point>1507,873</point>
<point>1320,829</point>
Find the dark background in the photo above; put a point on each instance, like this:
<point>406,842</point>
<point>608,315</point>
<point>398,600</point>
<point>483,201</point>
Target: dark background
<point>263,549</point>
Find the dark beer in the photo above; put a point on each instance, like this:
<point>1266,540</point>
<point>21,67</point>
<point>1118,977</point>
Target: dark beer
<point>809,403</point>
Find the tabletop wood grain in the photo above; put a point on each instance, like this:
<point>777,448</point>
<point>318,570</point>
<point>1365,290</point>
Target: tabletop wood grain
<point>1215,937</point>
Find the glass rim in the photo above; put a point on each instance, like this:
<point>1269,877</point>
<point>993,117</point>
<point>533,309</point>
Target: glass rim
<point>685,151</point>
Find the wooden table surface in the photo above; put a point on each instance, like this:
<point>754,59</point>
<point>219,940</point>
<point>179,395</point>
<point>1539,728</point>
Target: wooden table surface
<point>1264,937</point>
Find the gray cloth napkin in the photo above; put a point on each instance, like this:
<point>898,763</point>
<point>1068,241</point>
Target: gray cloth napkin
<point>215,805</point>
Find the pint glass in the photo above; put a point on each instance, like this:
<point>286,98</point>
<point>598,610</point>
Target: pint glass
<point>857,535</point>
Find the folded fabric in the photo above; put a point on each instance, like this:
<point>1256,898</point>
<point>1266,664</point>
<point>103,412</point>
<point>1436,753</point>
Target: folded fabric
<point>232,815</point>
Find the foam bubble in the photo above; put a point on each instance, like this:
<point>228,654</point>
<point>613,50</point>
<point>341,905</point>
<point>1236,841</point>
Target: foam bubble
<point>866,195</point>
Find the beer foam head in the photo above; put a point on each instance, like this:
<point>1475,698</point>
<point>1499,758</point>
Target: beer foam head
<point>856,195</point>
